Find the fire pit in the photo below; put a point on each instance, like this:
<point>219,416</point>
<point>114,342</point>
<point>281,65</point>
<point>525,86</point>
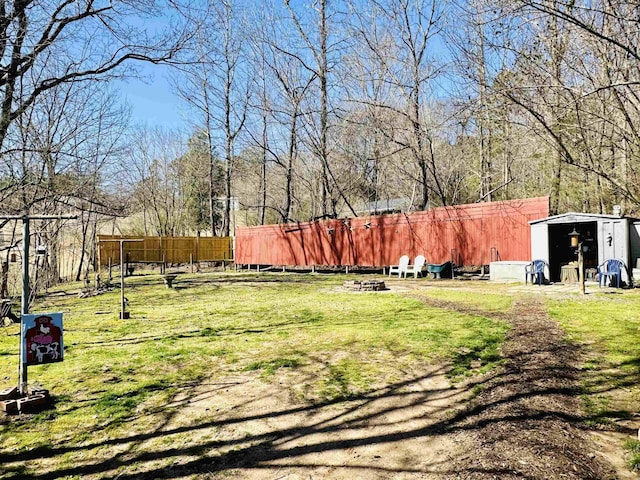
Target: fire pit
<point>364,285</point>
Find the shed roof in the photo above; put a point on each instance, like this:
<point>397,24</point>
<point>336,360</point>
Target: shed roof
<point>576,217</point>
<point>389,205</point>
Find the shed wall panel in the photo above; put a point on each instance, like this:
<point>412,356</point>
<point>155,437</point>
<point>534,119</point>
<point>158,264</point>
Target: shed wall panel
<point>540,242</point>
<point>634,239</point>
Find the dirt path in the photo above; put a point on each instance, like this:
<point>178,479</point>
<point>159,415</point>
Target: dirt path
<point>527,422</point>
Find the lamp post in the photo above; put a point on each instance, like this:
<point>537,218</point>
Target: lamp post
<point>574,237</point>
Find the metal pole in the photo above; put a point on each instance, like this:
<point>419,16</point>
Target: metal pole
<point>123,313</point>
<point>25,304</point>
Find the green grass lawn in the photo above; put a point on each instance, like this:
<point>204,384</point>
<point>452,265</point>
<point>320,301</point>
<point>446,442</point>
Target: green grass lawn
<point>118,373</point>
<point>608,327</point>
<point>120,377</point>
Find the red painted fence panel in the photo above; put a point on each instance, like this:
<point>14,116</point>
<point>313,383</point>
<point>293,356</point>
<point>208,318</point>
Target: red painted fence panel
<point>472,234</point>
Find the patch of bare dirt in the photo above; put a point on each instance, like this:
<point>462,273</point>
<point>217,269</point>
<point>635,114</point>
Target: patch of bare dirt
<point>253,430</point>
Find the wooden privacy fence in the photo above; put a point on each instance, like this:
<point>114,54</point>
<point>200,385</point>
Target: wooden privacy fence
<point>473,234</point>
<point>164,249</point>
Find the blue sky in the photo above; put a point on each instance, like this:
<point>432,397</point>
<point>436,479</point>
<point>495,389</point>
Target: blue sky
<point>152,100</point>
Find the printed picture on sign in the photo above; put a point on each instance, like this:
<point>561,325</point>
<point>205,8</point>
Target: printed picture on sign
<point>42,338</point>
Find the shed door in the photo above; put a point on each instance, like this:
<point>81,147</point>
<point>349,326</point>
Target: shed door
<point>539,242</point>
<point>613,240</point>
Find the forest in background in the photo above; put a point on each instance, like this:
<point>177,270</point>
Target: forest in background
<point>302,110</point>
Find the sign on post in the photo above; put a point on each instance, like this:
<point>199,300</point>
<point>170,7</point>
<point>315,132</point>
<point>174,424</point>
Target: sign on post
<point>42,338</point>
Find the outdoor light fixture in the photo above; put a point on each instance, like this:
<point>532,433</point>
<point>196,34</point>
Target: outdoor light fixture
<point>330,231</point>
<point>609,239</point>
<point>574,237</point>
<point>575,243</point>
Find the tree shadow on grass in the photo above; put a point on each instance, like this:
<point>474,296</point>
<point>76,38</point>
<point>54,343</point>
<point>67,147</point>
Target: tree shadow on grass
<point>253,450</point>
<point>328,428</point>
<point>524,414</point>
<point>275,278</point>
<point>222,331</point>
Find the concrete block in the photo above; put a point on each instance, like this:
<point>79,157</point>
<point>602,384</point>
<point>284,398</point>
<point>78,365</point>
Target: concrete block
<point>39,391</point>
<point>507,271</point>
<point>33,403</point>
<point>9,406</point>
<point>8,393</point>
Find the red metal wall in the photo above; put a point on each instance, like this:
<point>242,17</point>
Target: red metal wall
<point>465,234</point>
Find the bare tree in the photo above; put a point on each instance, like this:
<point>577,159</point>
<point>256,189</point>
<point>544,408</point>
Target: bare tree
<point>48,44</point>
<point>315,52</point>
<point>569,74</point>
<point>404,50</point>
<point>62,148</point>
<point>158,190</point>
<point>218,88</point>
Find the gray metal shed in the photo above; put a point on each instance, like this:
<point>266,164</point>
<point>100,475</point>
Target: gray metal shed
<point>602,237</point>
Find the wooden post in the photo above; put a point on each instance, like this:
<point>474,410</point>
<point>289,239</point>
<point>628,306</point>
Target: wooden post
<point>191,261</point>
<point>99,259</point>
<point>581,268</point>
<point>110,278</point>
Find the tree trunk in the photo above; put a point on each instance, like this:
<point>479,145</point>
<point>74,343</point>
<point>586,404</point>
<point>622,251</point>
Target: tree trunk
<point>327,195</point>
<point>263,170</point>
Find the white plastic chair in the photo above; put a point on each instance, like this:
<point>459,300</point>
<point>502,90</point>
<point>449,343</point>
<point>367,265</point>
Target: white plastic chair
<point>416,268</point>
<point>401,268</point>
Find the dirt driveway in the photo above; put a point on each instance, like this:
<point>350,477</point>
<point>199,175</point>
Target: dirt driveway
<point>523,422</point>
